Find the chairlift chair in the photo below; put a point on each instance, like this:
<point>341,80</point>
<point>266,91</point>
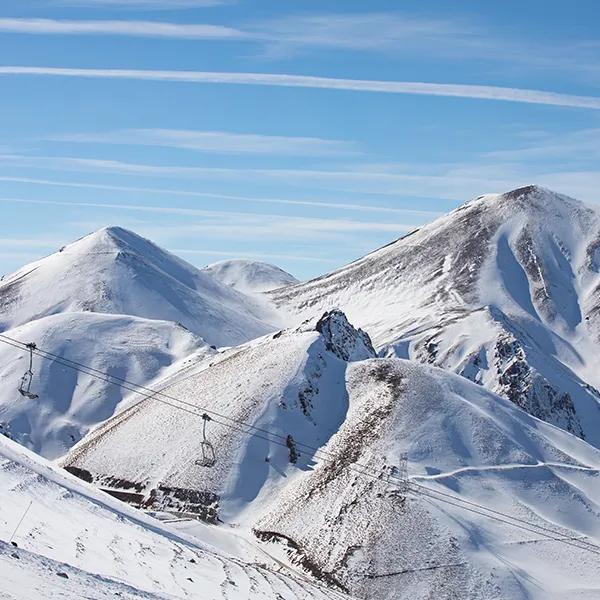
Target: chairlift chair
<point>25,385</point>
<point>207,450</point>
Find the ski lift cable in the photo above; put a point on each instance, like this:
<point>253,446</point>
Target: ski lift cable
<point>497,512</point>
<point>153,394</point>
<point>359,469</point>
<point>129,385</point>
<point>239,426</point>
<point>565,540</point>
<point>319,453</point>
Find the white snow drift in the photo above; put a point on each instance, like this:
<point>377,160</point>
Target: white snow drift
<point>76,542</point>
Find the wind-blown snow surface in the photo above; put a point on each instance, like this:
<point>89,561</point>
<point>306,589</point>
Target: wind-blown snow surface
<point>76,542</point>
<point>504,290</point>
<point>249,276</point>
<point>70,402</point>
<point>116,271</point>
<point>333,510</point>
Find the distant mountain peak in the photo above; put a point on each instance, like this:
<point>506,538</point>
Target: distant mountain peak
<point>116,271</point>
<point>250,276</point>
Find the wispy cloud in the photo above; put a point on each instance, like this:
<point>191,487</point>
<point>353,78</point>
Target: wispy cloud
<point>219,142</point>
<point>320,204</point>
<point>580,146</point>
<point>145,4</point>
<point>260,255</point>
<point>457,181</point>
<point>397,33</point>
<point>480,92</point>
<point>365,31</point>
<point>126,28</point>
<point>28,243</point>
<point>570,171</point>
<point>232,224</point>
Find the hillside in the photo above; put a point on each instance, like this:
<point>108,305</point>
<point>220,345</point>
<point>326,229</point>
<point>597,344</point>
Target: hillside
<point>307,430</point>
<point>76,542</point>
<point>504,290</point>
<point>70,402</point>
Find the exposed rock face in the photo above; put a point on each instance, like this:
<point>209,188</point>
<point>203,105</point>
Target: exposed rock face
<point>343,339</point>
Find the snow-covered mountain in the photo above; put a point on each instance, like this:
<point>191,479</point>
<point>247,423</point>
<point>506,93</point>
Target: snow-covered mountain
<point>249,276</point>
<point>120,304</point>
<point>504,290</point>
<point>289,384</point>
<point>307,430</point>
<point>116,271</point>
<point>70,402</point>
<point>76,542</point>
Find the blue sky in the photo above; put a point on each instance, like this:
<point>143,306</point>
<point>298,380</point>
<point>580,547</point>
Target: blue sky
<point>304,134</point>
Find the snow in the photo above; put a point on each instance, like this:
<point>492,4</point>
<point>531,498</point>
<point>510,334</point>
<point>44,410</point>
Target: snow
<point>515,270</point>
<point>248,276</point>
<point>350,414</point>
<point>286,384</point>
<point>70,403</point>
<point>77,542</point>
<point>461,440</point>
<point>116,271</point>
<point>117,302</point>
<point>308,422</point>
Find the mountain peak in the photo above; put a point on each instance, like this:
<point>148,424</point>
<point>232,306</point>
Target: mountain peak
<point>524,191</point>
<point>113,237</point>
<point>535,196</point>
<point>250,276</point>
<point>342,338</point>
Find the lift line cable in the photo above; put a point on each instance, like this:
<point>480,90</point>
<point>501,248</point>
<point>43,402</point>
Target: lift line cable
<point>565,540</point>
<point>129,385</point>
<point>238,426</point>
<point>501,514</point>
<point>359,469</point>
<point>153,394</point>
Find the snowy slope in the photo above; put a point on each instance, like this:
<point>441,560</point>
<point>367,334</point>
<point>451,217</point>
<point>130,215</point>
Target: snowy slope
<point>504,290</point>
<point>76,542</point>
<point>289,384</point>
<point>344,412</point>
<point>249,276</point>
<point>460,439</point>
<point>71,402</point>
<point>116,271</point>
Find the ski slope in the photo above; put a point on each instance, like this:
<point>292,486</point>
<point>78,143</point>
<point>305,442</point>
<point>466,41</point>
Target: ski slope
<point>76,542</point>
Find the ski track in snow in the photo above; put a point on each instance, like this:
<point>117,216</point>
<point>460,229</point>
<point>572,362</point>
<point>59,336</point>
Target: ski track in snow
<point>477,469</point>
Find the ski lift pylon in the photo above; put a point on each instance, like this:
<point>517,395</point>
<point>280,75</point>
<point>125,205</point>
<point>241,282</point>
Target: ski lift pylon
<point>25,385</point>
<point>208,458</point>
